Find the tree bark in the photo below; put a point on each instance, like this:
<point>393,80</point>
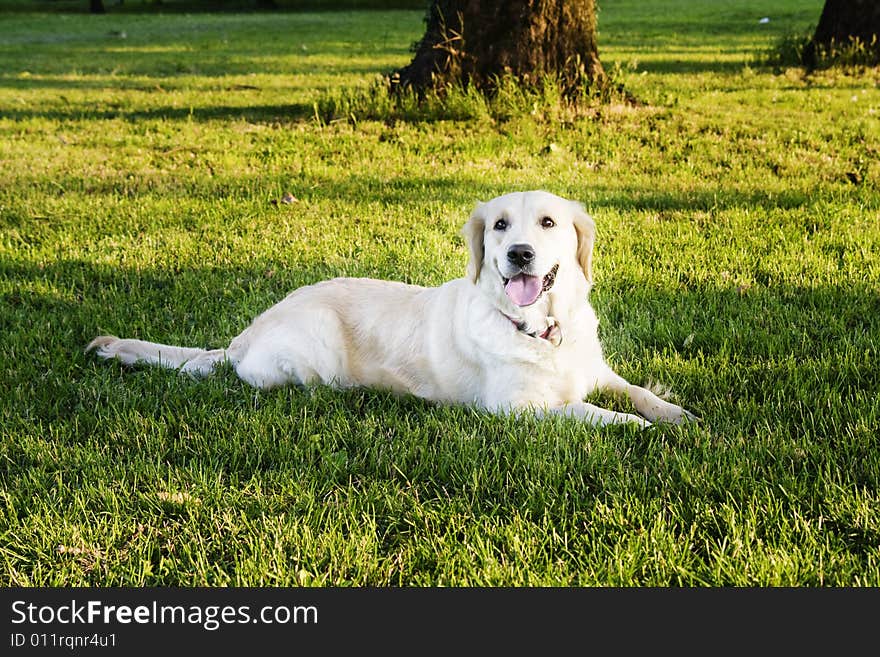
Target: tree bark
<point>841,22</point>
<point>476,42</point>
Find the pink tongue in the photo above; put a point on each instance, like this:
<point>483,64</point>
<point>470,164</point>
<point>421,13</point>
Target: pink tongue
<point>523,290</point>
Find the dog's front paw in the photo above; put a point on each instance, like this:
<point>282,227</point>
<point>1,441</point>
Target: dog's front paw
<point>673,414</point>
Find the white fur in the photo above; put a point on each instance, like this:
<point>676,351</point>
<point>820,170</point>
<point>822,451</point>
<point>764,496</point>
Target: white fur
<point>450,344</point>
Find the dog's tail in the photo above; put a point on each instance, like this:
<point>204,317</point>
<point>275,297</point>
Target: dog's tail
<point>198,362</point>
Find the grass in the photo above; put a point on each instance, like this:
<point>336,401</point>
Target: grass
<point>738,261</point>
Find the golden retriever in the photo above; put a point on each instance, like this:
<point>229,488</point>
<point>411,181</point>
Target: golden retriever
<point>516,333</point>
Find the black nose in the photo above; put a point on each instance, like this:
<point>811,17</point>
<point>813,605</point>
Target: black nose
<point>521,254</point>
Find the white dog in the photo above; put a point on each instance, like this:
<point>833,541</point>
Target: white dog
<point>516,333</point>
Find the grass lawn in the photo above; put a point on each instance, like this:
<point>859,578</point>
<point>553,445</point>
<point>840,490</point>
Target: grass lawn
<point>737,262</point>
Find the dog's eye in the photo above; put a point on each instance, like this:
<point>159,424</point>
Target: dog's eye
<point>501,224</point>
<point>547,222</point>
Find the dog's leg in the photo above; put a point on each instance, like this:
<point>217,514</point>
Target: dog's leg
<point>594,415</point>
<point>646,402</point>
<point>196,362</point>
<point>584,411</point>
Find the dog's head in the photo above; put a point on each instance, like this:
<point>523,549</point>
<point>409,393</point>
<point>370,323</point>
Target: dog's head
<point>527,246</point>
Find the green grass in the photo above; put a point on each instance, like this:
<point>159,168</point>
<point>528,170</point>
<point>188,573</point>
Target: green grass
<point>738,261</point>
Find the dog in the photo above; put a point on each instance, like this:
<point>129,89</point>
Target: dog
<point>515,334</point>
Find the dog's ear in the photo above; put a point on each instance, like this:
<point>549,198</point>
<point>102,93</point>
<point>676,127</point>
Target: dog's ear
<point>473,237</point>
<point>585,228</point>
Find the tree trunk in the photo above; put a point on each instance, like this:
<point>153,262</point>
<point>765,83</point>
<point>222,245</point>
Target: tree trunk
<point>841,22</point>
<point>476,42</point>
<point>96,6</point>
